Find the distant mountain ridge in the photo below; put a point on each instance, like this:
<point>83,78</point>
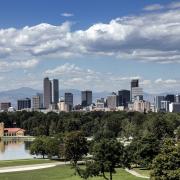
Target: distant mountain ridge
<point>15,94</point>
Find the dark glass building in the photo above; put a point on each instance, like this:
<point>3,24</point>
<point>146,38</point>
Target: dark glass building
<point>55,91</point>
<point>86,98</point>
<point>24,103</point>
<point>68,98</point>
<point>134,83</point>
<point>47,92</point>
<point>123,98</point>
<point>170,98</point>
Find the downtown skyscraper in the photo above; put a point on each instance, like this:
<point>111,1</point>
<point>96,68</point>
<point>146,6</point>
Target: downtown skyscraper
<point>51,92</point>
<point>47,86</point>
<point>55,91</point>
<point>86,98</point>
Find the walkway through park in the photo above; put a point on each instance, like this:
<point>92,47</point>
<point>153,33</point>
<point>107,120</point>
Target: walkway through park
<point>133,172</point>
<point>48,165</point>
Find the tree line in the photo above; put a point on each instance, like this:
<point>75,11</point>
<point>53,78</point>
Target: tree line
<point>154,140</point>
<point>96,124</point>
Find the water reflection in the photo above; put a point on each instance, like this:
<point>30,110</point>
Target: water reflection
<point>14,149</point>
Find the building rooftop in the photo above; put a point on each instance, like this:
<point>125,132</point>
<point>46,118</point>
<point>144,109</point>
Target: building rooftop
<point>13,130</point>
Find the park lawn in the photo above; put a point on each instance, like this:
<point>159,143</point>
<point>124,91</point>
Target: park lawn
<point>60,173</point>
<point>19,162</point>
<point>142,171</point>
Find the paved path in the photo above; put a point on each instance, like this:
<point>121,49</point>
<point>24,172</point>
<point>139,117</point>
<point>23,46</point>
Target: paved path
<point>48,165</point>
<point>30,167</point>
<point>131,171</point>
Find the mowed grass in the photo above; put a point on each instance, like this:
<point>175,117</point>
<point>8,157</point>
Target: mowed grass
<point>60,173</point>
<point>23,162</point>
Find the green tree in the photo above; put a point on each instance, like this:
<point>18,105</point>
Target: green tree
<point>107,154</point>
<point>144,150</point>
<point>52,147</point>
<point>75,147</point>
<point>38,147</point>
<point>166,165</point>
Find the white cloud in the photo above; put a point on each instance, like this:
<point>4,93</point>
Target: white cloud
<point>154,7</point>
<point>67,14</point>
<point>8,66</point>
<point>150,37</point>
<point>72,76</point>
<point>174,5</point>
<point>166,82</point>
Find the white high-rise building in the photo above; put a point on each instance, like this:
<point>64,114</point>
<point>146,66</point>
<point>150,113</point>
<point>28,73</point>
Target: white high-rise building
<point>136,92</point>
<point>36,104</point>
<point>165,106</point>
<point>174,107</point>
<point>177,98</point>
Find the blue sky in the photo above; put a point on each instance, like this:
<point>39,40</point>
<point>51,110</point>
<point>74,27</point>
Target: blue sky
<point>98,45</point>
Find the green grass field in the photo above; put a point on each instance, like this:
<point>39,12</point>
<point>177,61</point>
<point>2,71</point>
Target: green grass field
<point>23,162</point>
<point>60,173</point>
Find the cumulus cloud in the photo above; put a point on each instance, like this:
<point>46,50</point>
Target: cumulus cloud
<point>67,14</point>
<point>150,37</point>
<point>72,76</point>
<point>154,7</point>
<point>8,66</point>
<point>166,82</point>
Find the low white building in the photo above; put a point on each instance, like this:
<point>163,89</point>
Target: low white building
<point>174,107</point>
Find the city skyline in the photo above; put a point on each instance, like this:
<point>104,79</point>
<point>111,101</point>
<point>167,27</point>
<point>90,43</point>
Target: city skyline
<point>86,49</point>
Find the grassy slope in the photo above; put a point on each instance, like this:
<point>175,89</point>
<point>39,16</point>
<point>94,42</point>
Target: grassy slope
<point>23,162</point>
<point>59,173</point>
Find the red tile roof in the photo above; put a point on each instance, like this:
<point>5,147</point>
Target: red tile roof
<point>13,130</point>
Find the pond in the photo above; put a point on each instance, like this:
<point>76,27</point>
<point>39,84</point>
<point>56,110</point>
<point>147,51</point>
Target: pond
<point>15,149</point>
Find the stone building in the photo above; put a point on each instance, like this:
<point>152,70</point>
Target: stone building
<point>10,131</point>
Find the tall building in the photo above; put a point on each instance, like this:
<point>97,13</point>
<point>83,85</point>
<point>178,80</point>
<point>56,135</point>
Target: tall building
<point>177,98</point>
<point>134,83</point>
<point>24,103</point>
<point>68,98</point>
<point>170,98</point>
<point>41,99</point>
<point>86,98</point>
<point>157,102</point>
<point>165,106</point>
<point>112,101</point>
<point>55,91</point>
<point>136,92</point>
<point>5,106</point>
<point>47,92</point>
<point>124,98</point>
<point>36,102</point>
